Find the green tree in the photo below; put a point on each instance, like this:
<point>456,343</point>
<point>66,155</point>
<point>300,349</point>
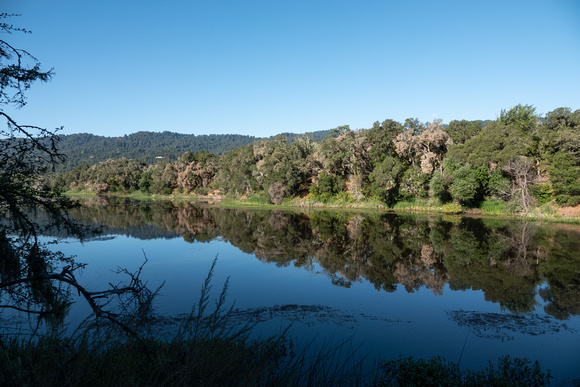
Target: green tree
<point>439,186</point>
<point>510,136</point>
<point>565,177</point>
<point>328,186</point>
<point>336,153</point>
<point>237,169</point>
<point>163,179</point>
<point>461,131</point>
<point>499,185</point>
<point>460,182</point>
<point>202,157</point>
<point>380,139</point>
<point>522,117</point>
<point>561,132</point>
<point>146,180</point>
<point>465,184</point>
<point>414,183</point>
<point>562,117</point>
<point>283,163</point>
<point>495,145</point>
<point>413,125</point>
<point>385,179</point>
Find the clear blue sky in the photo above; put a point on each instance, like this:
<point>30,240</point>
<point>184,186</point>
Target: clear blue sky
<point>266,67</point>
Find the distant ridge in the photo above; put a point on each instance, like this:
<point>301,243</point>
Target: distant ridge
<point>151,147</point>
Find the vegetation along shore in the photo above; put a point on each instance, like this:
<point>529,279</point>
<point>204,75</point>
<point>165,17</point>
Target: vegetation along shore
<point>519,164</point>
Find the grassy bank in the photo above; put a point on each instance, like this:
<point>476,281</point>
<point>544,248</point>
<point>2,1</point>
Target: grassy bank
<point>497,208</point>
<point>489,208</point>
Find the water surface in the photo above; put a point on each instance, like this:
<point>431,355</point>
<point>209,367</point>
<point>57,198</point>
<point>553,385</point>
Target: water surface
<point>467,289</point>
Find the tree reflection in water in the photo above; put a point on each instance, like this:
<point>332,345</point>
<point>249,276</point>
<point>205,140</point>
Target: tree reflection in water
<point>506,259</point>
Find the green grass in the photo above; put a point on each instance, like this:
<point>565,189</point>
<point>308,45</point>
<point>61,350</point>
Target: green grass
<point>342,201</point>
<point>424,206</point>
<point>493,208</point>
<point>252,201</point>
<point>82,194</point>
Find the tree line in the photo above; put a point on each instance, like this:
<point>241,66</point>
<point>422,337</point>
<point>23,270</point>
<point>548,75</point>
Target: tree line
<point>520,159</point>
<point>150,147</point>
<point>85,148</point>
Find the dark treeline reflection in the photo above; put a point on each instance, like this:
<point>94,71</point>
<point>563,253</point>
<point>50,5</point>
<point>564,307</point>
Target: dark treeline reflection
<point>505,259</point>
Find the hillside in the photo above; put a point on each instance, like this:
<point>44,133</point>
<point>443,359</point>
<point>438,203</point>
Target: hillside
<point>512,163</point>
<point>150,147</point>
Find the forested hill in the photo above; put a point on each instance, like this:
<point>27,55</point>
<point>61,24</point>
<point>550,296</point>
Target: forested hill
<point>151,147</point>
<point>314,136</point>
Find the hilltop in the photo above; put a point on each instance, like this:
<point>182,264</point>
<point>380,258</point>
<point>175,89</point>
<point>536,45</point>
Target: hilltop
<point>152,147</point>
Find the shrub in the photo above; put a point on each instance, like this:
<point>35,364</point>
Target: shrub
<point>328,186</point>
<point>414,183</point>
<point>452,208</point>
<point>344,197</point>
<point>418,372</point>
<point>440,372</point>
<point>465,184</point>
<point>565,178</point>
<point>542,192</point>
<point>439,186</point>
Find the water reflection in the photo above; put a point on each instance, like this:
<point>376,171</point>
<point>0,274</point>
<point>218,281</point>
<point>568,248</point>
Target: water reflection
<point>505,259</point>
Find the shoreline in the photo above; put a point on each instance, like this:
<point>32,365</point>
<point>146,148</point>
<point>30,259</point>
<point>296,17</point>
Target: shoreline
<point>539,214</point>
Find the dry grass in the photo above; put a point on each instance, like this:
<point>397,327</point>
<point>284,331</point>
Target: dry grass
<point>569,212</point>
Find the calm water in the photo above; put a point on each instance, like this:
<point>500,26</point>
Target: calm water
<point>463,288</point>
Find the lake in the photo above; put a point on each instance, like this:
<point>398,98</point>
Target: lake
<point>467,289</point>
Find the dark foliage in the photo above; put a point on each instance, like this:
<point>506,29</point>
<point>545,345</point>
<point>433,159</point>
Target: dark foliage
<point>440,372</point>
